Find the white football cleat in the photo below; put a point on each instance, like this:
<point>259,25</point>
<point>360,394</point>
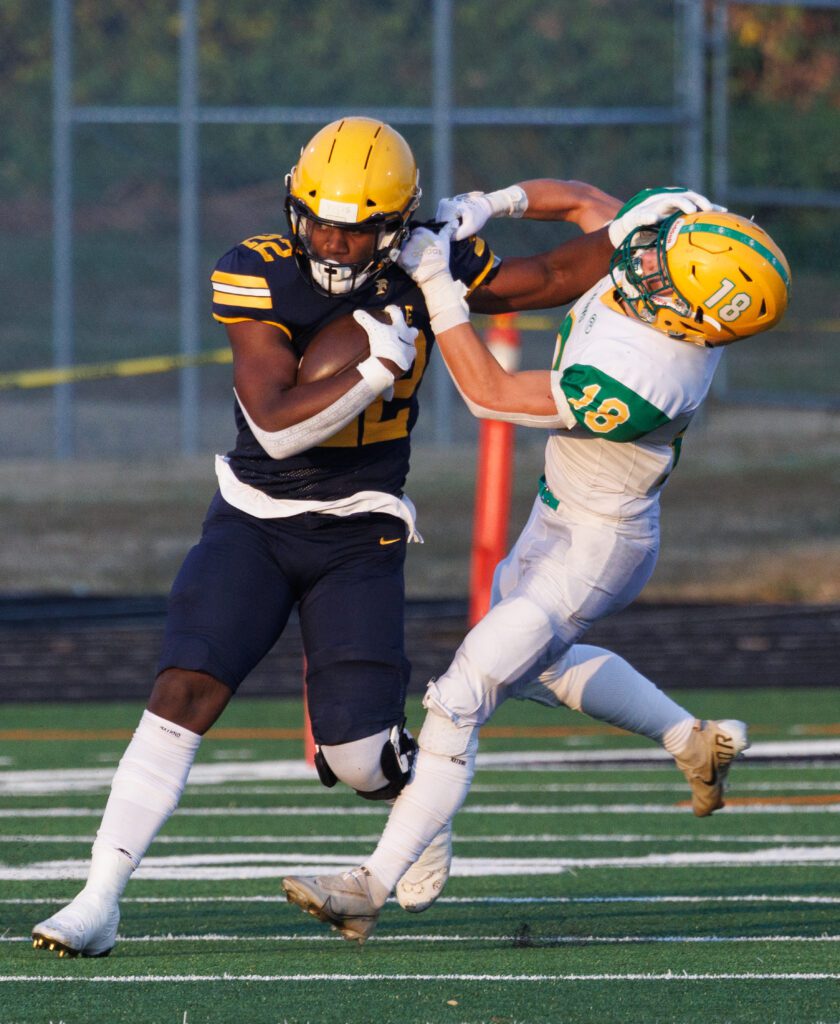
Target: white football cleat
<point>705,761</point>
<point>85,927</point>
<point>421,885</point>
<point>343,901</point>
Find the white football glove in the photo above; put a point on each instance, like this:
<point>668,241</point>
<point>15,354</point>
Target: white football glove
<point>472,210</point>
<point>652,205</point>
<point>425,258</point>
<point>426,253</point>
<point>393,341</point>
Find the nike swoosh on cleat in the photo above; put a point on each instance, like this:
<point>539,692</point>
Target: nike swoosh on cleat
<point>395,540</point>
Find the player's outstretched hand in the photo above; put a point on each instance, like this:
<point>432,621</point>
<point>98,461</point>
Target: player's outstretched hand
<point>394,341</point>
<point>426,254</point>
<point>472,210</point>
<point>652,205</point>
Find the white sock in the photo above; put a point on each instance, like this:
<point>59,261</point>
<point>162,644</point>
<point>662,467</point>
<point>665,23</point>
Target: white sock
<point>439,787</point>
<point>606,687</point>
<point>109,872</point>
<point>145,790</point>
<point>676,738</point>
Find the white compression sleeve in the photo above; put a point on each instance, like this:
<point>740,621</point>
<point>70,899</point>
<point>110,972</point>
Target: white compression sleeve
<point>300,437</point>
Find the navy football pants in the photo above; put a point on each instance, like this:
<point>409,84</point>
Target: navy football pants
<point>235,591</point>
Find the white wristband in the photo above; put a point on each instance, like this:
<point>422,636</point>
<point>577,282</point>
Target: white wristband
<point>508,202</point>
<point>447,318</point>
<point>377,376</point>
<point>445,302</point>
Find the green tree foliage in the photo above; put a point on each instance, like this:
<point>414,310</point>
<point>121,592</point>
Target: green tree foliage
<point>542,53</point>
<point>786,55</point>
<point>25,96</point>
<point>784,88</point>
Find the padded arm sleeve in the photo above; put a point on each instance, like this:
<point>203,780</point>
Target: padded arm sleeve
<point>300,437</point>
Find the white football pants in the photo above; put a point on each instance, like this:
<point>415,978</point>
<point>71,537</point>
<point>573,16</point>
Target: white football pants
<point>562,575</point>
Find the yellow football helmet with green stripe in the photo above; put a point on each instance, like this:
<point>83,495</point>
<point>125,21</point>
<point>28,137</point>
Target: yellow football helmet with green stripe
<point>358,174</point>
<point>710,277</point>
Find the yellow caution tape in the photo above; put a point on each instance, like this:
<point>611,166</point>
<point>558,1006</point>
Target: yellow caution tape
<point>118,368</point>
<point>52,376</point>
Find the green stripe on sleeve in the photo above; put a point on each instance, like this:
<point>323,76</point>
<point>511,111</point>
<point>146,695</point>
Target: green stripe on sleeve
<point>562,338</point>
<point>607,408</point>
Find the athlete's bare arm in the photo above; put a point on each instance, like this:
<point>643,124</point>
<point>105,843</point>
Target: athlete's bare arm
<point>562,274</point>
<point>483,382</point>
<point>575,201</point>
<point>546,280</point>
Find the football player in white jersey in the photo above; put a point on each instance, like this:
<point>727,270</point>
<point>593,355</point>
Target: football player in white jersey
<point>634,360</point>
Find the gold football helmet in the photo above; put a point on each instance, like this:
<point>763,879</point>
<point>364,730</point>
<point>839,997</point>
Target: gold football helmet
<point>357,174</point>
<point>710,278</point>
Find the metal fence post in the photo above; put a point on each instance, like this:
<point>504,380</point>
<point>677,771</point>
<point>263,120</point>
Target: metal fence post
<point>62,148</point>
<point>442,184</point>
<point>189,225</point>
<point>690,91</point>
<point>719,138</point>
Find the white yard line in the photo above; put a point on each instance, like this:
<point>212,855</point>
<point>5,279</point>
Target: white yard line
<point>536,940</point>
<point>85,839</point>
<point>435,978</point>
<point>761,751</point>
<point>380,812</point>
<point>251,866</point>
<point>37,783</point>
<point>790,898</point>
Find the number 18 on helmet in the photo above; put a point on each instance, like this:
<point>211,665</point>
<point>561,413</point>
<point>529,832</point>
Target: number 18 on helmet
<point>710,278</point>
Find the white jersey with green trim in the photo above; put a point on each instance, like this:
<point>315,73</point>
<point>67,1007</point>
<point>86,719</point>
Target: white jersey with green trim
<point>627,393</point>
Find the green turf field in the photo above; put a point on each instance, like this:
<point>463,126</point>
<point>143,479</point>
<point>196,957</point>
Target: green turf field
<point>583,890</point>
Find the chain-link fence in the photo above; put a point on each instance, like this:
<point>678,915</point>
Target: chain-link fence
<point>172,128</point>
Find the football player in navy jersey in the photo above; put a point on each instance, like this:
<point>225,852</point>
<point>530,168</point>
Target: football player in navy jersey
<point>310,509</point>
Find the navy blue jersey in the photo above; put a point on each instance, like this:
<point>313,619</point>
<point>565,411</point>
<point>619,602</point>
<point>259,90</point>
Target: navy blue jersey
<point>260,280</point>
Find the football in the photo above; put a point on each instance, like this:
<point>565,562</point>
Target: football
<point>339,345</point>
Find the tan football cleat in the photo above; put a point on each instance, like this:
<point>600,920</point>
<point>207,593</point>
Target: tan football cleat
<point>343,901</point>
<point>85,927</point>
<point>421,885</point>
<point>705,761</point>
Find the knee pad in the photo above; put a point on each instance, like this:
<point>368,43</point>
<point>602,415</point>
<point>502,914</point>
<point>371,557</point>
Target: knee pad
<point>440,735</point>
<point>377,767</point>
<point>325,773</point>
